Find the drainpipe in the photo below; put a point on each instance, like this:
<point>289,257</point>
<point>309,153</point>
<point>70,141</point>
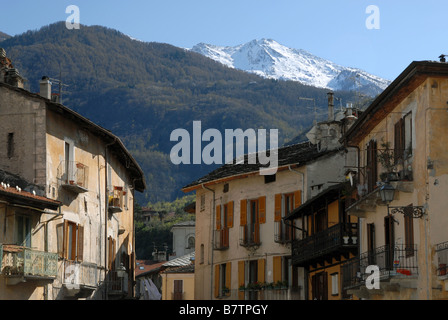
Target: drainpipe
<point>303,180</point>
<point>106,196</point>
<point>212,241</point>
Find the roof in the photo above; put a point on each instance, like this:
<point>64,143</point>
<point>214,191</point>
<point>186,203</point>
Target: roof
<point>332,192</point>
<point>117,147</point>
<point>412,77</point>
<point>182,269</point>
<point>296,154</point>
<point>27,198</point>
<point>147,266</point>
<point>181,261</point>
<point>190,223</point>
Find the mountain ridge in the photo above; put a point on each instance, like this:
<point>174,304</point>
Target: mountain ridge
<point>270,59</point>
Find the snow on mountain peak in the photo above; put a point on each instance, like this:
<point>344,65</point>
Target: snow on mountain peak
<point>270,59</point>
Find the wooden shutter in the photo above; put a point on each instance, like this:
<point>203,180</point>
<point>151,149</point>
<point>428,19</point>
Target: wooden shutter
<point>241,278</point>
<point>261,270</point>
<point>278,207</point>
<point>228,275</point>
<point>277,261</point>
<point>243,212</point>
<point>230,214</point>
<point>409,231</point>
<point>398,140</point>
<point>60,239</point>
<point>218,217</point>
<point>371,165</point>
<point>216,280</point>
<point>80,243</point>
<point>297,198</point>
<point>262,209</point>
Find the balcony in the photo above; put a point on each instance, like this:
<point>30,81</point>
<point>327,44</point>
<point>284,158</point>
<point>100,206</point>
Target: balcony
<point>282,232</point>
<point>250,236</point>
<point>21,264</point>
<point>273,293</point>
<point>221,239</point>
<point>340,239</point>
<point>116,199</point>
<point>397,264</point>
<point>442,260</point>
<point>73,176</point>
<point>79,277</point>
<point>117,286</point>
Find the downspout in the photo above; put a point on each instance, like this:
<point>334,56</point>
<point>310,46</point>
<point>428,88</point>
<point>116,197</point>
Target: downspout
<point>106,196</point>
<point>212,242</point>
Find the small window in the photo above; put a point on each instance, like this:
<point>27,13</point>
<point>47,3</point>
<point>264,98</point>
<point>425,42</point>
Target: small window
<point>269,178</point>
<point>226,188</point>
<point>335,284</point>
<point>203,202</point>
<point>202,254</point>
<point>10,150</point>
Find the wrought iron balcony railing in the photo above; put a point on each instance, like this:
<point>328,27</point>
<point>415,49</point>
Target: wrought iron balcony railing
<point>250,235</point>
<point>116,285</point>
<point>73,175</point>
<point>24,262</point>
<point>397,261</point>
<point>221,239</point>
<point>324,243</point>
<point>442,259</point>
<point>80,274</point>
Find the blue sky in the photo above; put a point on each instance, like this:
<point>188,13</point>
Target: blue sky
<point>335,30</point>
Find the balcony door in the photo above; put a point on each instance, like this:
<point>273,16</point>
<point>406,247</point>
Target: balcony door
<point>178,289</point>
<point>253,222</point>
<point>389,241</point>
<point>319,283</point>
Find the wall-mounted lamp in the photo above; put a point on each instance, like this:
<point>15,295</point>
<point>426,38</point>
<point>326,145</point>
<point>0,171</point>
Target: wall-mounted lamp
<point>387,193</point>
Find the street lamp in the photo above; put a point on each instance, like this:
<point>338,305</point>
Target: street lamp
<point>387,193</point>
<point>121,271</point>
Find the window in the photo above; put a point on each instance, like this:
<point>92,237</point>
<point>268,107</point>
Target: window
<point>178,290</point>
<point>334,284</point>
<point>269,178</point>
<point>190,242</point>
<point>372,167</point>
<point>222,279</point>
<point>224,221</point>
<point>70,240</point>
<point>403,138</point>
<point>203,202</point>
<point>202,253</point>
<point>23,230</point>
<point>284,205</point>
<point>252,214</point>
<point>10,150</point>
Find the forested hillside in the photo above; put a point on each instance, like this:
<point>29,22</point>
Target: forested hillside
<point>143,91</point>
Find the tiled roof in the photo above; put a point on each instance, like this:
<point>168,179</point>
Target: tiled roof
<point>144,266</point>
<point>181,261</point>
<point>28,197</point>
<point>300,154</point>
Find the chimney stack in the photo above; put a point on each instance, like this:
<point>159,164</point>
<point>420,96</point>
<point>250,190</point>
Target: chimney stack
<point>45,87</point>
<point>330,106</point>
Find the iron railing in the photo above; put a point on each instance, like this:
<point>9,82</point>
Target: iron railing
<point>80,273</point>
<point>221,239</point>
<point>282,232</point>
<point>116,285</point>
<point>324,242</point>
<point>250,235</point>
<point>73,174</point>
<point>397,261</point>
<point>442,258</point>
<point>26,262</point>
<point>288,293</point>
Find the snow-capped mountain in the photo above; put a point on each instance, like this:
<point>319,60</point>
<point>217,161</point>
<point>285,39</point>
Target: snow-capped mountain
<point>270,59</point>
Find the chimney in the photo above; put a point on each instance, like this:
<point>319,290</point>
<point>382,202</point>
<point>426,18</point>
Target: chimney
<point>45,87</point>
<point>330,106</point>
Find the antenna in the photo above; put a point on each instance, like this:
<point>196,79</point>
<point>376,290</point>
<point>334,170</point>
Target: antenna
<point>315,111</point>
<point>60,83</point>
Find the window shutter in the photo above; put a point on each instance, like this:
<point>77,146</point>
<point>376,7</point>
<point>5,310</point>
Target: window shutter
<point>243,212</point>
<point>261,270</point>
<point>230,215</point>
<point>60,239</point>
<point>241,279</point>
<point>262,209</point>
<point>80,243</point>
<point>297,198</point>
<point>228,275</point>
<point>216,280</point>
<point>277,261</point>
<point>278,207</point>
<point>218,217</point>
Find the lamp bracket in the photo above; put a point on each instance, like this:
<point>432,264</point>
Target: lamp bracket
<point>413,211</point>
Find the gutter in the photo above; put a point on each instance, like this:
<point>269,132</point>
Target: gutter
<point>212,242</point>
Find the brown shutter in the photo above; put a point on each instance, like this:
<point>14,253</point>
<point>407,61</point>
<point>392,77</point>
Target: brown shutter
<point>60,239</point>
<point>277,261</point>
<point>278,207</point>
<point>241,278</point>
<point>218,217</point>
<point>409,231</point>
<point>398,140</point>
<point>262,209</point>
<point>216,280</point>
<point>230,215</point>
<point>80,243</point>
<point>243,212</point>
<point>297,198</point>
<point>261,270</point>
